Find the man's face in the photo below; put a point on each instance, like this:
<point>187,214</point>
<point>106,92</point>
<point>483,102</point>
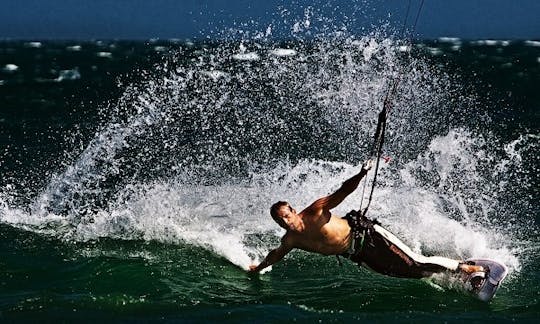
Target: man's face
<point>290,217</point>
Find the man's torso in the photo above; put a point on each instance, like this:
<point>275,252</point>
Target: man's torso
<point>326,235</point>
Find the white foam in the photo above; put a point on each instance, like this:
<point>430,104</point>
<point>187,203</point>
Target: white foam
<point>467,238</point>
<point>221,217</point>
<point>268,31</point>
<point>215,75</point>
<point>296,27</point>
<point>304,24</point>
<point>47,224</point>
<point>70,75</point>
<point>513,154</point>
<point>490,42</point>
<point>251,56</point>
<point>371,48</point>
<point>532,43</point>
<point>404,48</point>
<point>104,54</point>
<point>74,48</point>
<point>454,40</point>
<point>415,216</point>
<point>160,49</point>
<point>283,52</point>
<point>33,44</point>
<point>435,51</point>
<point>10,68</point>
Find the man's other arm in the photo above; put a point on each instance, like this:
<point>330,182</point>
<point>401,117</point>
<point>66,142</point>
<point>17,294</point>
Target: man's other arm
<point>274,256</point>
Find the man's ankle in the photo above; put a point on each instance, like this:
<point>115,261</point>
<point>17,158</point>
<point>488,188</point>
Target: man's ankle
<point>469,268</point>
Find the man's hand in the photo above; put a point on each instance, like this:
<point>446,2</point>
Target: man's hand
<point>367,165</point>
<point>253,268</point>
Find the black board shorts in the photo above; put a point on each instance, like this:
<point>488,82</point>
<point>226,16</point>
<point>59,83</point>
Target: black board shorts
<point>383,252</point>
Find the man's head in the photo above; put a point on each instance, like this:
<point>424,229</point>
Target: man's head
<point>284,215</point>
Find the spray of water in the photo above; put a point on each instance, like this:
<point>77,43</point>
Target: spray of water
<point>198,151</point>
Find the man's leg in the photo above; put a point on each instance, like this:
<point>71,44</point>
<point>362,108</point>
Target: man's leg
<point>407,263</point>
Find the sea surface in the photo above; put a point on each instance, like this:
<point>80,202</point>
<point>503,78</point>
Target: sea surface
<point>136,176</point>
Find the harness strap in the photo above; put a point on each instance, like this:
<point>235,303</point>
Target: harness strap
<point>361,228</point>
<point>362,240</point>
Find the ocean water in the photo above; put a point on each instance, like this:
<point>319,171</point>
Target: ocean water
<point>136,177</point>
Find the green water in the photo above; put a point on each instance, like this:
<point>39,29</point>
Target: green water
<point>118,280</point>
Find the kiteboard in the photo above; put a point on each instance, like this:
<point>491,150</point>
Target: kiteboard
<point>484,285</point>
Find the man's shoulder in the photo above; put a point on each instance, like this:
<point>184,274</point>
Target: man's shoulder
<point>315,209</point>
<point>287,237</point>
<point>288,242</point>
<point>291,239</point>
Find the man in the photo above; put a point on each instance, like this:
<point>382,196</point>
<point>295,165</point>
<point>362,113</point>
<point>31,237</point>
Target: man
<point>355,237</point>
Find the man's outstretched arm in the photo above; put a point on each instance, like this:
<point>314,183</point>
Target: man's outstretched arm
<point>346,189</point>
<point>273,256</point>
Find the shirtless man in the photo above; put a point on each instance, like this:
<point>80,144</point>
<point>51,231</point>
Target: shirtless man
<point>359,239</point>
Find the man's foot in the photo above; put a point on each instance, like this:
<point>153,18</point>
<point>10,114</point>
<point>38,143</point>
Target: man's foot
<point>477,280</point>
<point>470,268</point>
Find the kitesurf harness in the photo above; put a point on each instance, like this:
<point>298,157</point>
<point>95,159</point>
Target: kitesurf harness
<point>361,230</point>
